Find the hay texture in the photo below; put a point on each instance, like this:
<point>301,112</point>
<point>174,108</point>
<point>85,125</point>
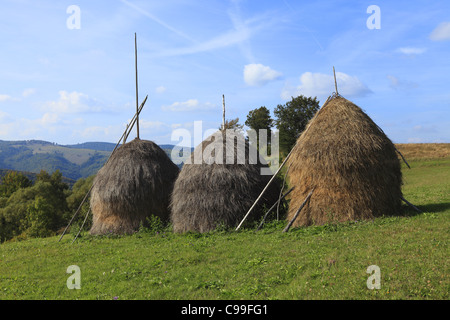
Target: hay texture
<point>135,183</point>
<point>208,194</point>
<point>351,164</point>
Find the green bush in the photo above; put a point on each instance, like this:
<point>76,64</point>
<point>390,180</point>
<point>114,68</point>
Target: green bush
<point>41,218</point>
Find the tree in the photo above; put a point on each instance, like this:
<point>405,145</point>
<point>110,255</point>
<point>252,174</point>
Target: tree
<point>292,118</point>
<point>41,218</point>
<point>232,124</point>
<point>41,207</point>
<point>259,119</point>
<point>13,181</point>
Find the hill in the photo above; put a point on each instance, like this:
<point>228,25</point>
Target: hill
<point>74,161</point>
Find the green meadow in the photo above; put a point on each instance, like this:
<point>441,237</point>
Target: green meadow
<point>319,262</point>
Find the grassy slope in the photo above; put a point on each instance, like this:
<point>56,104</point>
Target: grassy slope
<point>327,262</point>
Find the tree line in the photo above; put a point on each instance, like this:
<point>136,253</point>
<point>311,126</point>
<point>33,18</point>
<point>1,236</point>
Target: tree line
<point>41,208</point>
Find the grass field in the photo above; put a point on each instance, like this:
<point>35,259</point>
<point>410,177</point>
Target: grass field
<point>324,262</point>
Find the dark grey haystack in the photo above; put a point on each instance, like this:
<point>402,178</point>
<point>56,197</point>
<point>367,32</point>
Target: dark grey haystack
<point>134,184</point>
<point>209,193</point>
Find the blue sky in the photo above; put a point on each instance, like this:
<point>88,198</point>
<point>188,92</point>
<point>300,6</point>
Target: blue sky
<point>72,85</point>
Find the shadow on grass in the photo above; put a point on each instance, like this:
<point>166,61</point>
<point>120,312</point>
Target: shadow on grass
<point>431,208</point>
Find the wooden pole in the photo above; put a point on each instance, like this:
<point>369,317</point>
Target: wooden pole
<point>282,187</point>
<point>134,120</point>
<point>125,138</point>
<point>82,225</point>
<point>277,202</point>
<point>298,212</point>
<point>223,112</point>
<point>136,71</point>
<point>406,162</point>
<point>411,205</point>
<point>402,157</point>
<point>335,83</point>
<point>264,190</point>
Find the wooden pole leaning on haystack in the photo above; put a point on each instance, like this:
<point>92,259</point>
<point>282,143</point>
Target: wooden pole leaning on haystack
<point>82,225</point>
<point>264,190</point>
<point>271,208</point>
<point>124,138</point>
<point>284,162</point>
<point>402,156</point>
<point>298,212</point>
<point>398,151</point>
<point>411,205</point>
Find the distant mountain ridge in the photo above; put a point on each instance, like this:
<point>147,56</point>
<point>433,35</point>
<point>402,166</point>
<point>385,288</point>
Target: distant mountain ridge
<point>74,161</point>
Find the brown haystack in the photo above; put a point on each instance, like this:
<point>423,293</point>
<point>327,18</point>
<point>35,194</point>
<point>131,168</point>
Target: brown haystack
<point>208,194</point>
<point>135,183</point>
<point>351,164</point>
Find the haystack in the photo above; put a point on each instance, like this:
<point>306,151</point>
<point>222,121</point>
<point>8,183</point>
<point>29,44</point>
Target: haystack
<point>209,193</point>
<point>349,162</point>
<point>135,183</point>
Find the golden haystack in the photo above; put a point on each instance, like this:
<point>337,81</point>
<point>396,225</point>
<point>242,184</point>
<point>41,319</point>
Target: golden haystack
<point>349,162</point>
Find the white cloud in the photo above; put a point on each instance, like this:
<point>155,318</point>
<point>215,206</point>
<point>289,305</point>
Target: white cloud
<point>73,102</point>
<point>99,133</point>
<point>397,83</point>
<point>441,32</point>
<point>28,92</point>
<point>160,89</point>
<point>4,117</point>
<point>49,119</point>
<point>415,140</point>
<point>152,125</point>
<point>190,105</point>
<point>411,50</point>
<point>322,85</point>
<point>259,75</point>
<point>5,97</point>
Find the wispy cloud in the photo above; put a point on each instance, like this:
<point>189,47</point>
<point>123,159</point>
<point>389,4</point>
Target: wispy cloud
<point>160,89</point>
<point>441,32</point>
<point>396,83</point>
<point>229,38</point>
<point>411,50</point>
<point>5,97</point>
<point>242,29</point>
<point>189,105</point>
<point>28,92</point>
<point>158,21</point>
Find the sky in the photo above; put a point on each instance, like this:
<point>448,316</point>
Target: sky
<point>67,68</point>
